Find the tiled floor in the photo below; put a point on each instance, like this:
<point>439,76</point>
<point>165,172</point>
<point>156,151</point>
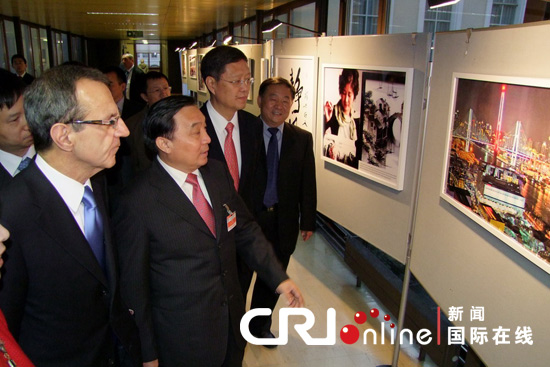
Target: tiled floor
<point>326,281</point>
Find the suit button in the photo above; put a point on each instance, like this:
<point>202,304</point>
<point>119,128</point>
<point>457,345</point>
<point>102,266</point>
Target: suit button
<point>111,362</point>
<point>104,292</point>
<point>224,273</point>
<point>224,303</point>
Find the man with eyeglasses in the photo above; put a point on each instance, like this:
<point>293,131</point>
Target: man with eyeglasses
<point>155,88</point>
<point>60,290</point>
<point>227,76</point>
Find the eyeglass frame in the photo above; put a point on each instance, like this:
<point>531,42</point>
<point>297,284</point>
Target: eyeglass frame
<point>240,82</point>
<point>110,122</point>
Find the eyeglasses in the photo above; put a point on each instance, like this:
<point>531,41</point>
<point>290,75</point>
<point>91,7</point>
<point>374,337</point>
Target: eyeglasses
<point>111,122</point>
<point>160,90</point>
<point>241,82</point>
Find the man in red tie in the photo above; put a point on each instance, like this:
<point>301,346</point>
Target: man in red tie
<point>227,76</point>
<point>179,227</point>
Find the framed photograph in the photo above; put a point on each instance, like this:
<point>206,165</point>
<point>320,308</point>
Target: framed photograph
<point>202,85</point>
<point>497,169</point>
<point>193,66</point>
<point>183,66</point>
<point>364,116</point>
<point>251,68</point>
<point>301,72</point>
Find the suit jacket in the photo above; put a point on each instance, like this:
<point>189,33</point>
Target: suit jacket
<point>130,108</point>
<point>180,280</point>
<point>141,155</point>
<point>5,178</point>
<point>296,187</point>
<point>58,303</point>
<point>250,145</point>
<point>27,79</point>
<point>136,85</point>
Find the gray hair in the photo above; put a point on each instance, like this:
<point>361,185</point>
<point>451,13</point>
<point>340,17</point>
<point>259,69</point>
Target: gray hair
<point>52,99</point>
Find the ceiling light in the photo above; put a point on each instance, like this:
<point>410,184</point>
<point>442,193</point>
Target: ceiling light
<point>434,4</point>
<point>276,23</point>
<point>107,13</point>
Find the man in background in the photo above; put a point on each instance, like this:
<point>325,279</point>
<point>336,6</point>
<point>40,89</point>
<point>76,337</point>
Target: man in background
<point>134,78</point>
<point>155,88</point>
<point>16,148</point>
<point>227,76</point>
<point>19,63</point>
<point>60,293</point>
<point>285,194</point>
<point>121,173</point>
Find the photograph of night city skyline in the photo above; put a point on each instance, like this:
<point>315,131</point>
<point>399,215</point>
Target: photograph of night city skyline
<point>498,163</point>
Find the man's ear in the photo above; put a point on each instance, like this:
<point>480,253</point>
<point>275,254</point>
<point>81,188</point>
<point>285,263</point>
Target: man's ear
<point>163,144</point>
<point>211,84</point>
<point>144,97</point>
<point>62,136</point>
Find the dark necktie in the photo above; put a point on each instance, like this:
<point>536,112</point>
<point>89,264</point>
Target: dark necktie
<point>272,159</point>
<point>201,204</point>
<point>93,226</point>
<point>231,155</point>
<point>24,164</point>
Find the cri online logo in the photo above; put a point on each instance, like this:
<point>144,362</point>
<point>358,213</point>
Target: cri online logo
<point>349,334</point>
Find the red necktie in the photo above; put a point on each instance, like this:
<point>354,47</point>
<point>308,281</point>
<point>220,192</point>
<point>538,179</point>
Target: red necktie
<point>231,155</point>
<point>200,203</point>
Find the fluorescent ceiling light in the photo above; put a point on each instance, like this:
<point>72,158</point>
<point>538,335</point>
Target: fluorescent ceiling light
<point>107,13</point>
<point>434,4</point>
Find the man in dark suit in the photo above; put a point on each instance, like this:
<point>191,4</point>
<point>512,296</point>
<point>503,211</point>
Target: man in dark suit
<point>16,148</point>
<point>19,63</point>
<point>60,290</point>
<point>227,76</point>
<point>155,87</point>
<point>178,229</point>
<point>121,173</point>
<point>134,79</point>
<point>285,195</point>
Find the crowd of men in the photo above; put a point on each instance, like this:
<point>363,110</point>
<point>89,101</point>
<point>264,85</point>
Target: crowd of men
<point>199,200</point>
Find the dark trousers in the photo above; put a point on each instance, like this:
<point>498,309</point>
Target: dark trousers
<point>263,296</point>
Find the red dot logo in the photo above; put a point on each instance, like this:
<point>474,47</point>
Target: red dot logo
<point>349,334</point>
<point>374,312</point>
<point>392,325</point>
<point>360,317</point>
<point>387,317</point>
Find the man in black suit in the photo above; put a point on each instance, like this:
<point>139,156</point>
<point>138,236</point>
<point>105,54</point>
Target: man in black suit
<point>16,148</point>
<point>178,229</point>
<point>121,173</point>
<point>154,88</point>
<point>285,195</point>
<point>60,290</point>
<point>19,63</point>
<point>134,79</point>
<point>227,76</point>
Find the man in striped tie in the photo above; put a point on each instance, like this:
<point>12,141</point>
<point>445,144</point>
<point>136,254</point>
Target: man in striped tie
<point>16,147</point>
<point>178,229</point>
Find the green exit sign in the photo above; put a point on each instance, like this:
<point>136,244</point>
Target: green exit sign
<point>134,34</point>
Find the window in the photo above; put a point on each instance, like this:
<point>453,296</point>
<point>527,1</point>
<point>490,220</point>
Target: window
<point>363,17</point>
<point>150,54</point>
<point>438,19</point>
<point>504,12</point>
<point>303,16</point>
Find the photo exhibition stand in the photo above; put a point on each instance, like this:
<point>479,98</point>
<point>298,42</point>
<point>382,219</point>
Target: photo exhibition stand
<point>458,262</point>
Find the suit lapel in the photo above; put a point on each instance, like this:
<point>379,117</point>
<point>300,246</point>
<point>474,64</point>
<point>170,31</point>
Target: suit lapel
<point>61,227</point>
<point>171,196</point>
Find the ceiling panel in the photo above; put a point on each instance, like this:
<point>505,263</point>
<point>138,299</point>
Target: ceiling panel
<point>181,19</point>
